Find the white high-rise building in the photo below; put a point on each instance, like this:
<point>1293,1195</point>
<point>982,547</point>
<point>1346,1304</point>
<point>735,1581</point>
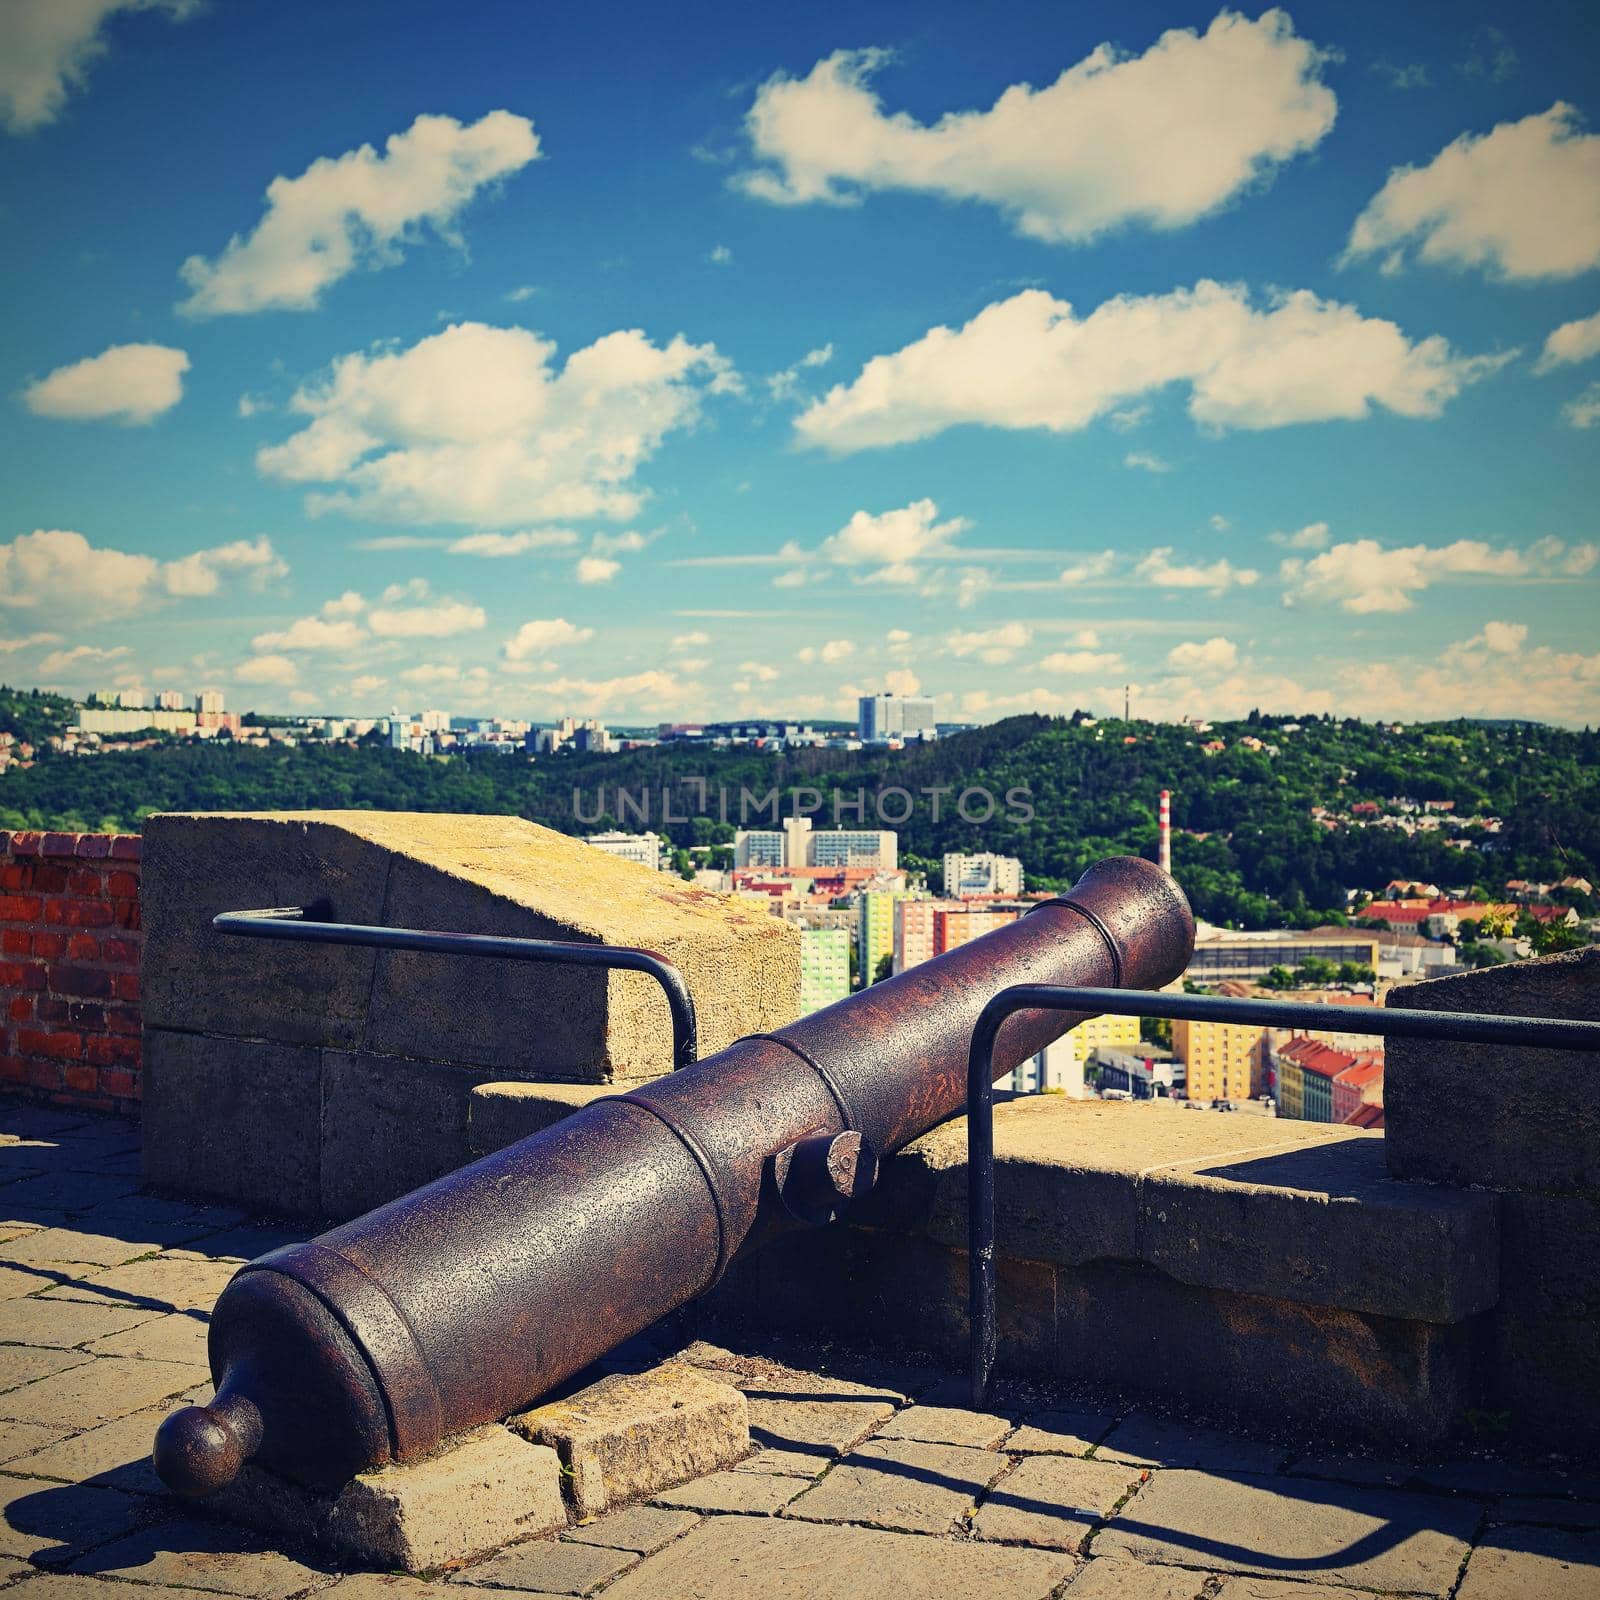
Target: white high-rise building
<point>882,717</point>
<point>210,702</point>
<point>758,847</point>
<point>968,875</point>
<point>643,848</point>
<point>856,847</point>
<point>170,700</point>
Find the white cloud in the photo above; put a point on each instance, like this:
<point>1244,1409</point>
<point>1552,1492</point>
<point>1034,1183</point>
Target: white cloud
<point>129,383</point>
<point>831,653</point>
<point>996,646</point>
<point>1571,342</point>
<point>513,544</point>
<point>473,425</point>
<point>1087,568</point>
<point>596,569</point>
<point>1210,655</point>
<point>9,647</point>
<point>426,621</point>
<point>1161,138</point>
<point>785,385</point>
<point>610,544</point>
<point>902,680</point>
<point>277,670</point>
<point>1521,202</point>
<point>1146,462</point>
<point>432,672</point>
<point>693,640</point>
<point>1504,638</point>
<point>313,633</point>
<point>1364,576</point>
<point>1217,576</point>
<point>1031,362</point>
<point>60,573</point>
<point>59,662</point>
<point>653,691</point>
<point>357,211</point>
<point>1314,536</point>
<point>367,683</point>
<point>1081,662</point>
<point>523,291</point>
<point>1584,410</point>
<point>534,639</point>
<point>48,47</point>
<point>720,256</point>
<point>758,671</point>
<point>1218,523</point>
<point>893,541</point>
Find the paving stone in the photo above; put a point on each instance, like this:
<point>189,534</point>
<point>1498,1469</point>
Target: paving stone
<point>15,1281</point>
<point>85,1586</point>
<point>552,1567</point>
<point>899,1484</point>
<point>102,1388</point>
<point>241,1244</point>
<point>1491,1479</point>
<point>641,1529</point>
<point>23,1438</point>
<point>801,1462</point>
<point>1533,1564</point>
<point>754,1493</point>
<point>115,1455</point>
<point>179,1336</point>
<point>1150,1441</point>
<point>21,1364</point>
<point>1353,1469</point>
<point>1294,1527</point>
<point>946,1425</point>
<point>1249,1588</point>
<point>633,1433</point>
<point>164,1283</point>
<point>1057,1432</point>
<point>1053,1501</point>
<point>202,1555</point>
<point>1115,1578</point>
<point>1552,1513</point>
<point>483,1489</point>
<point>790,1409</point>
<point>109,1247</point>
<point>62,1324</point>
<point>387,1586</point>
<point>737,1558</point>
<point>51,1523</point>
<point>63,1191</point>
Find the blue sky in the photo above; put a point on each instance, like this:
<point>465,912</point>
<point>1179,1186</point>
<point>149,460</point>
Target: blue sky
<point>1011,353</point>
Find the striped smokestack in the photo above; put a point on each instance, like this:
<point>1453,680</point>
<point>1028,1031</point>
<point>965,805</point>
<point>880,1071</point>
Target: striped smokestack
<point>1165,856</point>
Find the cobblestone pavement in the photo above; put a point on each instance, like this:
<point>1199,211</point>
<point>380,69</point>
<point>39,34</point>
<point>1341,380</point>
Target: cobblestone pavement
<point>870,1479</point>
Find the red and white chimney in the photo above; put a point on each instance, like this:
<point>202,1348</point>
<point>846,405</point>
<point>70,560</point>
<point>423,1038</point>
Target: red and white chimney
<point>1165,856</point>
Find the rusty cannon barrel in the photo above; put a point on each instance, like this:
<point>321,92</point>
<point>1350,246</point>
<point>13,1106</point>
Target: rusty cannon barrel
<point>471,1298</point>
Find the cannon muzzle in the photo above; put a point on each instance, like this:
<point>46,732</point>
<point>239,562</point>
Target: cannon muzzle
<point>473,1297</point>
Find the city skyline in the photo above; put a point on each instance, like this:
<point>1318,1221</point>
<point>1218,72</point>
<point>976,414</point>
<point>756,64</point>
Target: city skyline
<point>664,373</point>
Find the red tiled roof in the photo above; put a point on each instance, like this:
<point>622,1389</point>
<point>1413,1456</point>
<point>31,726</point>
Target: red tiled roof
<point>1365,1117</point>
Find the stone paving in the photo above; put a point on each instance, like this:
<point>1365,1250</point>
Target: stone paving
<point>870,1479</point>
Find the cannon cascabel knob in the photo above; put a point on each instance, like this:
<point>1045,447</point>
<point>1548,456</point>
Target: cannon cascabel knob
<point>200,1449</point>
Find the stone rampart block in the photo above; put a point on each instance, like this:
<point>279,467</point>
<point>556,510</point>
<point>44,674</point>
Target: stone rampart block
<point>389,1125</point>
<point>499,1114</point>
<point>1499,1116</point>
<point>634,1433</point>
<point>233,1119</point>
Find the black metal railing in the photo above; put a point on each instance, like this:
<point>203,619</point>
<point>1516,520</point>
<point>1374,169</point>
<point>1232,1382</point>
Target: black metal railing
<point>1458,1027</point>
<point>293,925</point>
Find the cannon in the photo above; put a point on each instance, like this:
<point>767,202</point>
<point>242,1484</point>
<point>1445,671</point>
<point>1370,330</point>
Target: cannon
<point>473,1297</point>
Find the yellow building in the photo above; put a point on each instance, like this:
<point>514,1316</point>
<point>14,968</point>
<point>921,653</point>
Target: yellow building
<point>1224,1060</point>
<point>1103,1033</point>
<point>875,929</point>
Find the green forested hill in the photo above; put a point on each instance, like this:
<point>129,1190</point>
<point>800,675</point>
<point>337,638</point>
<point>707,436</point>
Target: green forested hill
<point>1091,794</point>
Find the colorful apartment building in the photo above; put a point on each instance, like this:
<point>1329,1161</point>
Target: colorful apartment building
<point>824,967</point>
<point>1318,1083</point>
<point>1223,1060</point>
<point>875,928</point>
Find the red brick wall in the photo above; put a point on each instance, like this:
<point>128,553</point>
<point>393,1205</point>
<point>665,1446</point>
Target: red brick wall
<point>69,968</point>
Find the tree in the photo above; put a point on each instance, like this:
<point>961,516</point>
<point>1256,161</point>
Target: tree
<point>1354,972</point>
<point>1278,978</point>
<point>1157,1030</point>
<point>884,968</point>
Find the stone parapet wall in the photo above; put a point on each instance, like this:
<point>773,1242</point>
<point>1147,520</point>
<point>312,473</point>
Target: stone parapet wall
<point>70,947</point>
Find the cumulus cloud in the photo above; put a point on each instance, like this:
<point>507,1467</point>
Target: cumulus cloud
<point>1364,576</point>
<point>48,46</point>
<point>1087,568</point>
<point>1145,462</point>
<point>596,569</point>
<point>652,692</point>
<point>996,646</point>
<point>1081,662</point>
<point>536,639</point>
<point>313,633</point>
<point>58,571</point>
<point>59,662</point>
<point>1521,202</point>
<point>28,641</point>
<point>1313,536</point>
<point>831,653</point>
<point>473,425</point>
<point>357,211</point>
<point>1209,655</point>
<point>438,621</point>
<point>129,383</point>
<point>902,681</point>
<point>270,669</point>
<point>758,671</point>
<point>1218,576</point>
<point>1570,343</point>
<point>496,545</point>
<point>1031,362</point>
<point>1161,138</point>
<point>1584,410</point>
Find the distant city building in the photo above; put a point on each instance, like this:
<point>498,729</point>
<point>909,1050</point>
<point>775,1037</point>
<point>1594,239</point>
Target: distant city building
<point>133,700</point>
<point>875,929</point>
<point>959,926</point>
<point>1221,953</point>
<point>757,848</point>
<point>210,702</point>
<point>913,931</point>
<point>1144,1074</point>
<point>1060,1064</point>
<point>883,718</point>
<point>642,848</point>
<point>968,875</point>
<point>171,700</point>
<point>116,719</point>
<point>795,844</point>
<point>824,967</point>
<point>1222,1060</point>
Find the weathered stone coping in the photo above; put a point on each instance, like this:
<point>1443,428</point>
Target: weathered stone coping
<point>1286,1210</point>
